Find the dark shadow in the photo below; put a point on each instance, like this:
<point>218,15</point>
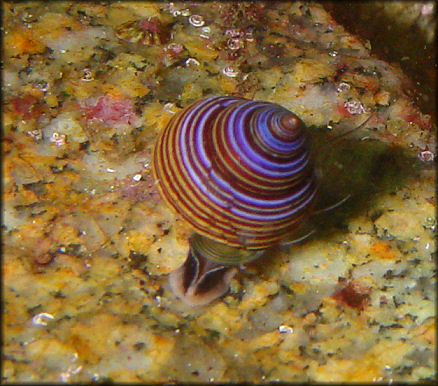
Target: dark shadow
<point>395,41</point>
<point>363,169</point>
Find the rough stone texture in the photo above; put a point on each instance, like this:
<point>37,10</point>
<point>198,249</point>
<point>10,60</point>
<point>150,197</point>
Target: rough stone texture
<point>88,242</point>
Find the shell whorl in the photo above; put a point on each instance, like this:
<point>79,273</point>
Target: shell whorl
<point>238,171</point>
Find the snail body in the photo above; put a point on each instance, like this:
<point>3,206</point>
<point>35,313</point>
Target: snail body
<point>240,173</point>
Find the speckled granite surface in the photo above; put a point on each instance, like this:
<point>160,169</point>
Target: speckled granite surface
<point>88,242</point>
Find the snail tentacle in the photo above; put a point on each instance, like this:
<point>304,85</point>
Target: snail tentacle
<point>331,207</point>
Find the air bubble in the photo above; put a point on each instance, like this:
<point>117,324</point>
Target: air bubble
<point>196,20</point>
<point>230,71</point>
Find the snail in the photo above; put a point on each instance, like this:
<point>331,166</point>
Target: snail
<point>240,173</point>
<point>148,31</point>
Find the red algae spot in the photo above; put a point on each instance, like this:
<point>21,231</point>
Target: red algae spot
<point>422,120</point>
<point>139,191</point>
<point>352,294</point>
<point>44,259</point>
<point>26,107</point>
<point>406,110</point>
<point>111,110</point>
<point>243,14</point>
<point>342,110</point>
<point>150,24</point>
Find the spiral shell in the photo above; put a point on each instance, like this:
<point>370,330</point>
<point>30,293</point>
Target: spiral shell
<point>149,31</point>
<point>238,171</point>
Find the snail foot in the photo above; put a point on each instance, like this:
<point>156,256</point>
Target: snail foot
<point>199,281</point>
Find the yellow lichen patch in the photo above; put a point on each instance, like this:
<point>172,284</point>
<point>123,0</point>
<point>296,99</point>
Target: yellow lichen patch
<point>31,90</point>
<point>51,352</point>
<point>139,241</point>
<point>367,82</point>
<point>124,375</point>
<point>166,255</point>
<point>131,84</point>
<point>382,97</point>
<point>39,165</point>
<point>13,268</point>
<point>81,90</point>
<point>148,9</point>
<point>370,366</point>
<point>271,77</point>
<point>267,360</point>
<point>18,171</point>
<point>312,71</point>
<point>64,234</point>
<point>426,331</point>
<point>344,370</point>
<point>127,80</point>
<point>9,369</point>
<point>22,41</point>
<point>104,268</point>
<point>287,356</point>
<point>33,230</point>
<point>228,85</point>
<point>359,242</point>
<point>132,62</point>
<point>74,264</point>
<point>198,48</point>
<point>191,92</point>
<point>104,334</point>
<point>53,25</point>
<point>14,312</point>
<point>90,9</point>
<point>265,340</point>
<point>119,305</point>
<point>156,116</point>
<point>256,293</point>
<point>27,196</point>
<point>51,100</point>
<point>83,346</point>
<point>298,287</point>
<point>384,251</point>
<point>221,318</point>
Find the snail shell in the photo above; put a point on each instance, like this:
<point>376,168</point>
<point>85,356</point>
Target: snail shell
<point>149,31</point>
<point>239,172</point>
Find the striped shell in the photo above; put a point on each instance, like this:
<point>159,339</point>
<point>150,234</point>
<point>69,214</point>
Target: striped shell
<point>238,171</point>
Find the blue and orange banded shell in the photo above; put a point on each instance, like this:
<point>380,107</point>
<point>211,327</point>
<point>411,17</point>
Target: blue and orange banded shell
<point>238,171</point>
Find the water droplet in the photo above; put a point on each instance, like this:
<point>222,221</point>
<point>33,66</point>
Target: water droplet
<point>230,71</point>
<point>193,61</point>
<point>42,319</point>
<point>58,139</point>
<point>285,329</point>
<point>234,43</point>
<point>343,87</point>
<point>426,156</point>
<point>196,20</point>
<point>354,107</point>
